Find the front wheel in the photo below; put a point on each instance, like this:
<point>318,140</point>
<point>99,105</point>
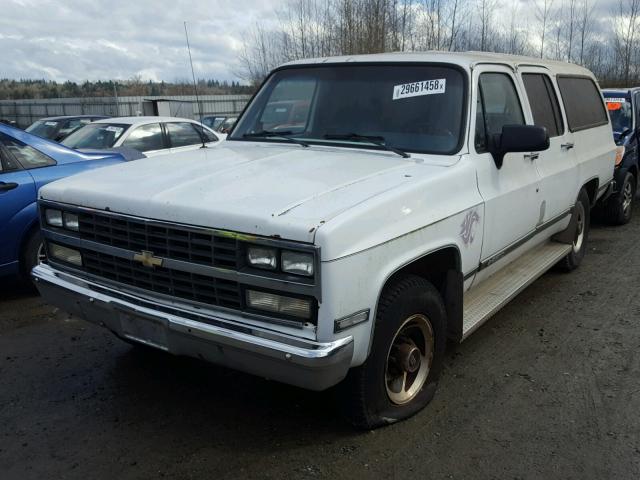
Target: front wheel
<point>401,374</point>
<point>582,217</point>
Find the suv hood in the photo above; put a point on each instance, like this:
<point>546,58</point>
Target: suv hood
<point>270,190</point>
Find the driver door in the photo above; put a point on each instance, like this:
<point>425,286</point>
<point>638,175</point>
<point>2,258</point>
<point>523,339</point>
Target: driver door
<point>511,193</point>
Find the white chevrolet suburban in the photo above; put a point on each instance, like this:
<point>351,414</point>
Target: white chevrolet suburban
<point>363,210</point>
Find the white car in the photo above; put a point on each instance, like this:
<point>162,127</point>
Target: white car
<point>149,135</point>
<point>363,210</point>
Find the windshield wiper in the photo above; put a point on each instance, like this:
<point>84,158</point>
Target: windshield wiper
<point>372,139</point>
<point>269,134</point>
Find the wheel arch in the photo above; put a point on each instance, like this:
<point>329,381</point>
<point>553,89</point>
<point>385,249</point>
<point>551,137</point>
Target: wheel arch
<point>591,187</point>
<point>442,267</point>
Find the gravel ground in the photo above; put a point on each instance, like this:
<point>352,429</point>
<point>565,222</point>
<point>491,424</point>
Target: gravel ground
<point>549,388</point>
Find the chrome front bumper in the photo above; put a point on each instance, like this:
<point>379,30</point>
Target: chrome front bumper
<point>288,359</point>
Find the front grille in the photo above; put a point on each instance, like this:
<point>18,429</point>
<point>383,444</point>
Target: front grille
<point>185,285</point>
<point>173,242</point>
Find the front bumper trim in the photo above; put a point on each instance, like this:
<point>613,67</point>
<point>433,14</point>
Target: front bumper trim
<point>296,361</point>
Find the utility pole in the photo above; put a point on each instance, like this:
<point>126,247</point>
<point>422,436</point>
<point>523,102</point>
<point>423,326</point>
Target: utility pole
<point>115,95</point>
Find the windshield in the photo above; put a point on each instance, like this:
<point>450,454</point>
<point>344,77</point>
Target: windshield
<point>416,108</point>
<point>620,111</point>
<point>96,135</point>
<point>45,128</point>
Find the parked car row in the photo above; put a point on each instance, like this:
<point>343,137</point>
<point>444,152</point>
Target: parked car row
<point>150,135</point>
<point>28,160</point>
<point>58,128</point>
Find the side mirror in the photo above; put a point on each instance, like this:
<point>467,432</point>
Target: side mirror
<point>518,138</point>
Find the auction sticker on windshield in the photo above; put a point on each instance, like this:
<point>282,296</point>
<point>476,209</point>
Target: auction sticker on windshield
<point>416,89</point>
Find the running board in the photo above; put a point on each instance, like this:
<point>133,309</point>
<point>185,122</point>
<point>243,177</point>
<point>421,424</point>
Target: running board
<point>483,301</point>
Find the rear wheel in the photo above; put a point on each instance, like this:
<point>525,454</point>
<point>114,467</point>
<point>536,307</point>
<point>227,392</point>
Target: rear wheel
<point>401,374</point>
<point>619,208</point>
<point>582,218</point>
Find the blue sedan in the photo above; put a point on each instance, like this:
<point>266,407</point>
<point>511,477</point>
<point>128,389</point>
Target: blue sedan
<point>27,162</point>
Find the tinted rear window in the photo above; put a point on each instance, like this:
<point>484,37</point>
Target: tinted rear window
<point>582,103</point>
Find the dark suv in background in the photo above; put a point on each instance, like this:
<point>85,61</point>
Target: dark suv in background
<point>623,105</point>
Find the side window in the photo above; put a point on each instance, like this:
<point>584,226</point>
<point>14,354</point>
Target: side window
<point>636,106</point>
<point>582,103</point>
<point>543,102</point>
<point>145,138</point>
<point>183,134</point>
<point>26,155</point>
<point>500,106</point>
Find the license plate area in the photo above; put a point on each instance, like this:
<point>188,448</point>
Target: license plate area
<point>143,328</point>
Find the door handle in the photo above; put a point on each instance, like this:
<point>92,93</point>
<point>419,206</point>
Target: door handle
<point>5,187</point>
<point>532,156</point>
<point>567,146</point>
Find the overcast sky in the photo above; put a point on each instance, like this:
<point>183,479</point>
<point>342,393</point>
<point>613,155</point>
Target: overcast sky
<point>99,39</point>
<point>118,39</point>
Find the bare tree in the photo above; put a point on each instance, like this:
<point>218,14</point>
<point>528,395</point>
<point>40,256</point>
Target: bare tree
<point>585,22</point>
<point>485,17</point>
<point>626,23</point>
<point>565,30</point>
<point>571,26</point>
<point>543,14</point>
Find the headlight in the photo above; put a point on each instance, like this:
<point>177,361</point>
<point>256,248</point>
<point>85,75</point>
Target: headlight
<point>261,257</point>
<point>68,255</point>
<point>269,302</point>
<point>619,155</point>
<point>71,221</point>
<point>53,217</point>
<point>297,263</point>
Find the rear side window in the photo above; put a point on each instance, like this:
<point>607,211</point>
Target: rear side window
<point>582,103</point>
<point>25,154</point>
<point>498,105</point>
<point>145,138</point>
<point>543,102</point>
<point>183,134</point>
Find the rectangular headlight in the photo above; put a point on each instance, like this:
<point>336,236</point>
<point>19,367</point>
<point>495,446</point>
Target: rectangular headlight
<point>53,217</point>
<point>269,302</point>
<point>297,263</point>
<point>70,221</point>
<point>65,254</point>
<point>261,257</point>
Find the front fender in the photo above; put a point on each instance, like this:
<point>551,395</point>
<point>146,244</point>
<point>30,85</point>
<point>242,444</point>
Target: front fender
<point>355,282</point>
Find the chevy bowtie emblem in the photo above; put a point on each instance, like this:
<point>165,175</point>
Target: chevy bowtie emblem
<point>147,259</point>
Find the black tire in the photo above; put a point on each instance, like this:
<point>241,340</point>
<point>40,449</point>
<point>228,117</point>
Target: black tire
<point>365,393</point>
<point>619,208</point>
<point>582,211</point>
<point>31,255</point>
